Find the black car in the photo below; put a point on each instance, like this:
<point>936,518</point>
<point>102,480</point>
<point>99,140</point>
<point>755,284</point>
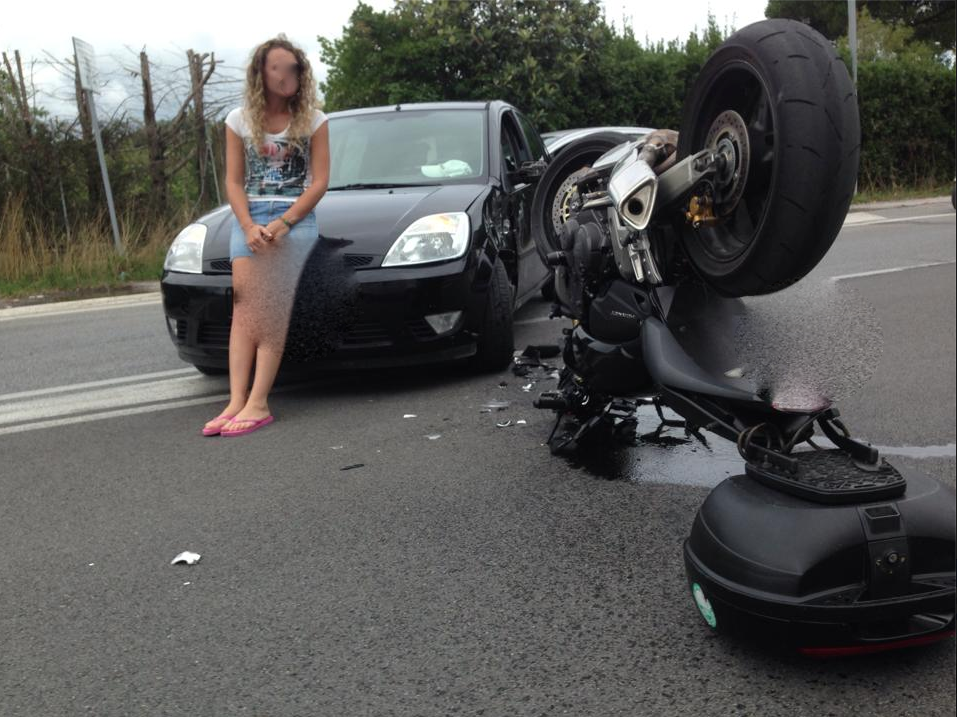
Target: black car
<point>432,204</point>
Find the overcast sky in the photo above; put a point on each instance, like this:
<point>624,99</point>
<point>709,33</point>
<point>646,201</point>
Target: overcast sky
<point>119,30</point>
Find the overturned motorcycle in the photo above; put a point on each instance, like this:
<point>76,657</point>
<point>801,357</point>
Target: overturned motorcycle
<point>831,550</point>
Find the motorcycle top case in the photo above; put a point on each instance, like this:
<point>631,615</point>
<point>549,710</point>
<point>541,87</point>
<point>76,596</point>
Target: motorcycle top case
<point>826,578</point>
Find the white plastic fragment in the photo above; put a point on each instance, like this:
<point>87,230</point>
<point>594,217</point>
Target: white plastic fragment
<point>496,405</point>
<point>503,424</point>
<point>186,558</point>
<point>434,436</point>
<point>735,373</point>
<point>409,415</point>
<point>528,387</point>
<point>521,422</point>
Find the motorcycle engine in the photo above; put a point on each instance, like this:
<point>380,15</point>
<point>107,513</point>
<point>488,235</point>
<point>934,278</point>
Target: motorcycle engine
<point>587,257</point>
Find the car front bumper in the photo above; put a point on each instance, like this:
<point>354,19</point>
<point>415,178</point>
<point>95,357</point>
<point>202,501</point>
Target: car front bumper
<point>389,327</point>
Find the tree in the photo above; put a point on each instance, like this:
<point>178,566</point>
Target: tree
<point>932,21</point>
<point>537,54</point>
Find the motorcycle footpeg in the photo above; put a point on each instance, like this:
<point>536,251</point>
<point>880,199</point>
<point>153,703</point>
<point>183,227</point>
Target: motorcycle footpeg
<point>556,258</point>
<point>551,400</point>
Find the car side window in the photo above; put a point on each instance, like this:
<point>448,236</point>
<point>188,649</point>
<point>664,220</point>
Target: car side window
<point>514,151</point>
<point>532,138</point>
<point>509,155</point>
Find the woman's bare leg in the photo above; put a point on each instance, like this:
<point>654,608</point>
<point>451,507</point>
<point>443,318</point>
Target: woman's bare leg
<point>242,344</point>
<point>272,288</point>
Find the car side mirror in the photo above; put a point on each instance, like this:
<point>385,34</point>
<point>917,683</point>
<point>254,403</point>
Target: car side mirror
<point>529,171</point>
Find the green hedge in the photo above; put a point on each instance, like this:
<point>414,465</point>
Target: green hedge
<point>907,123</point>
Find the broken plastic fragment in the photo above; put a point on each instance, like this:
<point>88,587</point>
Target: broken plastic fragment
<point>496,405</point>
<point>503,424</point>
<point>434,436</point>
<point>528,387</point>
<point>735,373</point>
<point>186,558</point>
<point>521,422</point>
<point>409,415</point>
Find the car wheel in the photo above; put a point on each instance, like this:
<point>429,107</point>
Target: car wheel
<point>212,370</point>
<point>496,343</point>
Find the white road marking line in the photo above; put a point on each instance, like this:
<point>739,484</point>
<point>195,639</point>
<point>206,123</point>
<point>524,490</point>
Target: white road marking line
<point>948,450</point>
<point>74,307</point>
<point>72,388</point>
<point>859,217</point>
<point>113,397</point>
<point>53,423</point>
<point>892,270</point>
<point>117,402</point>
<point>896,220</point>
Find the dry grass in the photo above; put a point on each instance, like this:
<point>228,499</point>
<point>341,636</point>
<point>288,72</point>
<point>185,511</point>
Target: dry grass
<point>35,259</point>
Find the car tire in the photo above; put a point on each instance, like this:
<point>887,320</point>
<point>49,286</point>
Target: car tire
<point>555,182</point>
<point>212,370</point>
<point>496,344</point>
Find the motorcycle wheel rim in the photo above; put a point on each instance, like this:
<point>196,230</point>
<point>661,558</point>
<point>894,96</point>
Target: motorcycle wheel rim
<point>740,88</point>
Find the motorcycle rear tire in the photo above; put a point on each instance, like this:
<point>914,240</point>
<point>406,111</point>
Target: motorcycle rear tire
<point>799,106</point>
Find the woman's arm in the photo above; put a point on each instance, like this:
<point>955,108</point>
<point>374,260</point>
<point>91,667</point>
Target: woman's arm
<point>319,168</point>
<point>236,179</point>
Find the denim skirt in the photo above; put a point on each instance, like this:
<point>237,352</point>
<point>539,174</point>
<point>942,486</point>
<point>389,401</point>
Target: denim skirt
<point>263,212</point>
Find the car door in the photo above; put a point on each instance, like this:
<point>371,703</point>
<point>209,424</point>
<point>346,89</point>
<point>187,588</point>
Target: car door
<point>518,203</point>
<point>535,270</point>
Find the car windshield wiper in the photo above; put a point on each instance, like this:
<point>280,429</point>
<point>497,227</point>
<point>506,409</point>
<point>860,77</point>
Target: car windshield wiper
<point>375,185</point>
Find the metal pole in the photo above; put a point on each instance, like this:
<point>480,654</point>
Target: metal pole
<point>66,217</point>
<point>106,176</point>
<point>212,161</point>
<point>852,36</point>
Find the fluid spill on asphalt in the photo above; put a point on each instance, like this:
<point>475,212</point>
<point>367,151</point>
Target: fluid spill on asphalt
<point>671,456</point>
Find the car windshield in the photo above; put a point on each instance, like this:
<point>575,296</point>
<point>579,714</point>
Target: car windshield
<point>406,147</point>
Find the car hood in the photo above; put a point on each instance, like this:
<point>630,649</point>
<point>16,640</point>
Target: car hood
<point>371,219</point>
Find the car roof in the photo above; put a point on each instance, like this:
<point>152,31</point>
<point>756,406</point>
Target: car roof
<point>430,106</point>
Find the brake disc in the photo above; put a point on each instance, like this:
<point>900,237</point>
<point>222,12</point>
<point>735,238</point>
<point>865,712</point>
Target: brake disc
<point>728,136</point>
<point>561,206</point>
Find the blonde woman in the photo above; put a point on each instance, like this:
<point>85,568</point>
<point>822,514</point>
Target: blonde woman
<point>277,169</point>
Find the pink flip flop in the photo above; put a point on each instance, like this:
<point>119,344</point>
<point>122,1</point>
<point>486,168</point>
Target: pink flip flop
<point>215,430</point>
<point>257,423</point>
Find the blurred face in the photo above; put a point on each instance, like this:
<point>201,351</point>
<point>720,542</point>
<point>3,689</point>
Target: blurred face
<point>281,73</point>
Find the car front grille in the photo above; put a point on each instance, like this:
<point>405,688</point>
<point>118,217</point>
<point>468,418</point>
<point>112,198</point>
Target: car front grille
<point>368,333</point>
<point>353,261</point>
<point>213,335</point>
<point>222,266</point>
<point>420,330</point>
<point>358,260</point>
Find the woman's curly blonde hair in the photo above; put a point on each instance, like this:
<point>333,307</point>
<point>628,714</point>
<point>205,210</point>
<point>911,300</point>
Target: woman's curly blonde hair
<point>302,105</point>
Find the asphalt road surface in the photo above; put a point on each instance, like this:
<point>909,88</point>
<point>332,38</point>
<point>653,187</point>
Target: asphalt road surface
<point>385,549</point>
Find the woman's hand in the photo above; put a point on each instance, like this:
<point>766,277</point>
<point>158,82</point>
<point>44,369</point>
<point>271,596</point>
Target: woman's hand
<point>277,229</point>
<point>257,237</point>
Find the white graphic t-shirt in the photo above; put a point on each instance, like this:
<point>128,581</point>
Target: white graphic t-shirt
<point>278,168</point>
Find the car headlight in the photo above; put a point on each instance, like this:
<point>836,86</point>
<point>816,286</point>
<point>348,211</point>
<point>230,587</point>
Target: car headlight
<point>186,252</point>
<point>437,237</point>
